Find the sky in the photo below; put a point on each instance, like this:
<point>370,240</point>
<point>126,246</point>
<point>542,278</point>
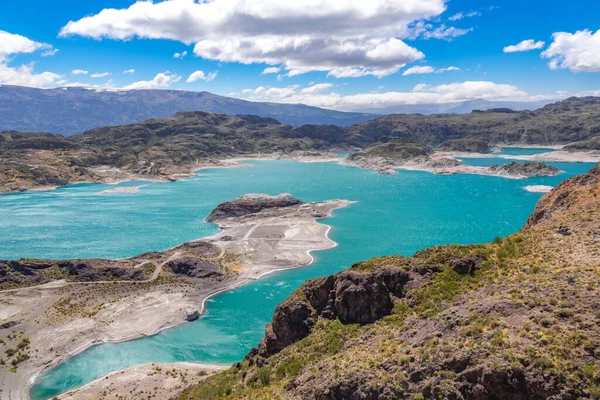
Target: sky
<point>347,55</point>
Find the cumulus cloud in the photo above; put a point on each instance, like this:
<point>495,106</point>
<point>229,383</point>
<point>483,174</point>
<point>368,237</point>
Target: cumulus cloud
<point>271,70</point>
<point>161,80</point>
<point>343,38</point>
<point>129,71</point>
<point>578,52</point>
<point>180,55</point>
<point>525,45</point>
<point>427,70</point>
<point>100,75</point>
<point>201,76</point>
<point>79,72</point>
<point>13,44</point>
<point>321,96</point>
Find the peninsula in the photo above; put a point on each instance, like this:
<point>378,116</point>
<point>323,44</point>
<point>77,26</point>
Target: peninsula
<point>53,309</point>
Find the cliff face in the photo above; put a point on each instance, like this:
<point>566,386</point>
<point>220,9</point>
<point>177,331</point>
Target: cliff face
<point>514,319</point>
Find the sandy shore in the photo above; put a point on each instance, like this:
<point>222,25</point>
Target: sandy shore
<point>538,188</point>
<point>252,247</point>
<point>158,380</point>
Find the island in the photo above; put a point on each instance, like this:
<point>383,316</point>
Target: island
<point>392,154</point>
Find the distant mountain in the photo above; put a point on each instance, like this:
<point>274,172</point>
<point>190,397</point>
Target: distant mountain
<point>73,110</point>
<point>460,107</point>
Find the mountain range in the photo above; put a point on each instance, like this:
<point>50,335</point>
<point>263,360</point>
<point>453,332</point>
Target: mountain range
<point>71,110</point>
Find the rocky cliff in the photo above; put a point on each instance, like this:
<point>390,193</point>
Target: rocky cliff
<point>514,319</point>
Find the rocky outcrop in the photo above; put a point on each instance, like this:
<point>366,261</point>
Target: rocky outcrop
<point>195,268</point>
<point>525,169</point>
<point>244,207</point>
<point>353,297</point>
<point>390,153</point>
<point>592,144</point>
<point>565,196</point>
<point>469,145</point>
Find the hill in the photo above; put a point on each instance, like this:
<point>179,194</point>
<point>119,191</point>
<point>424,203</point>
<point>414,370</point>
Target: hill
<point>513,319</point>
<point>564,122</point>
<point>73,110</point>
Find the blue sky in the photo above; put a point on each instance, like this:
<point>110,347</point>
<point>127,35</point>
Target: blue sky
<point>312,69</point>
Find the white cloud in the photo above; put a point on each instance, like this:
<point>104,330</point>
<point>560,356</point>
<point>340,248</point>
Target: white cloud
<point>161,80</point>
<point>12,44</point>
<point>201,76</point>
<point>100,75</point>
<point>79,72</point>
<point>578,52</point>
<point>180,55</point>
<point>461,15</point>
<point>319,87</point>
<point>427,70</point>
<point>525,45</point>
<point>421,94</point>
<point>343,38</point>
<point>129,71</point>
<point>444,32</point>
<point>271,70</point>
<point>49,52</point>
<point>419,70</point>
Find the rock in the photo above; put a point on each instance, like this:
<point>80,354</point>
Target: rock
<point>192,315</point>
<point>466,264</point>
<point>360,298</point>
<point>292,321</point>
<point>240,208</point>
<point>195,268</point>
<point>9,324</point>
<point>564,231</point>
<point>525,169</point>
<point>471,145</point>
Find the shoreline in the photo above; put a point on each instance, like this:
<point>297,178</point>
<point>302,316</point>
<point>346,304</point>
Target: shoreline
<point>31,380</point>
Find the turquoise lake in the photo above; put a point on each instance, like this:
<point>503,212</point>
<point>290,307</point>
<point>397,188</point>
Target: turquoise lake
<point>394,214</point>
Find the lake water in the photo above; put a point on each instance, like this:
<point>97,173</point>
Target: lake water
<point>394,214</point>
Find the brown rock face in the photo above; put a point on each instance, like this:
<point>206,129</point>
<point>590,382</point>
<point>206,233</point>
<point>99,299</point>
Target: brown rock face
<point>240,208</point>
<point>361,298</point>
<point>195,268</point>
<point>293,320</point>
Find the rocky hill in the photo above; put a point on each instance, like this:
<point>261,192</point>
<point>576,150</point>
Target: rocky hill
<point>592,144</point>
<point>514,319</point>
<point>73,110</point>
<point>469,145</point>
<point>564,122</point>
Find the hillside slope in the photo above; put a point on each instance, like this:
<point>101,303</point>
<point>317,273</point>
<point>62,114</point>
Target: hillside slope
<point>564,122</point>
<point>514,319</point>
<point>73,110</point>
